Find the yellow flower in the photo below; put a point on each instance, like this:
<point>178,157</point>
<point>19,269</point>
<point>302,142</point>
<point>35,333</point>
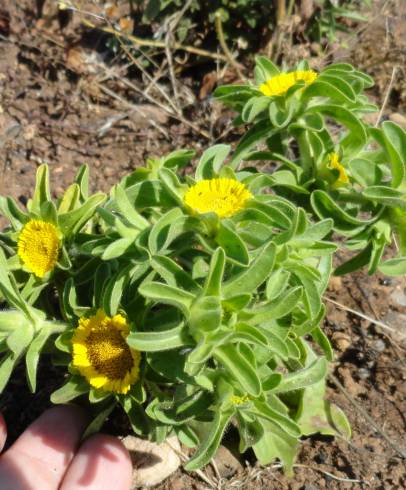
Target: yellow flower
<point>224,197</point>
<point>38,246</point>
<point>280,84</point>
<point>239,400</point>
<point>335,164</point>
<point>101,354</point>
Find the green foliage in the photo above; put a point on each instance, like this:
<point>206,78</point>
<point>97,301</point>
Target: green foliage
<point>219,307</point>
<point>223,304</point>
<point>365,193</point>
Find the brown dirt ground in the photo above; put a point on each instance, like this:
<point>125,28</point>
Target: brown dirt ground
<point>62,103</point>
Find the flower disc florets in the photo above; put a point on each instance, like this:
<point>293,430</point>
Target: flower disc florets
<point>225,197</point>
<point>101,354</point>
<point>38,246</point>
<point>280,84</point>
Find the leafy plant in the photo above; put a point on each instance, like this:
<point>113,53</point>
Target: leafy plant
<point>309,127</point>
<point>188,301</point>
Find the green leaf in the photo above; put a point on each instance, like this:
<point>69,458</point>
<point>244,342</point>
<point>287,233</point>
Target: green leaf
<point>239,368</point>
<point>232,245</point>
<point>394,267</point>
<point>264,69</point>
<point>72,222</point>
<point>254,275</point>
<point>276,443</point>
<point>41,192</point>
<point>158,341</point>
<point>97,423</point>
<point>262,129</point>
<point>82,179</point>
<point>159,231</point>
<point>277,308</point>
<point>386,195</point>
<point>8,362</point>
<point>211,440</point>
<point>395,145</point>
<point>322,340</point>
<point>326,207</point>
<point>70,199</point>
<point>211,161</point>
<point>205,315</point>
<point>281,420</point>
<point>73,388</point>
<point>172,273</point>
<point>303,377</point>
<point>114,289</point>
<point>10,209</point>
<point>33,354</point>
<point>356,262</point>
<point>128,210</point>
<point>356,138</point>
<point>253,107</point>
<point>212,285</point>
<point>170,295</point>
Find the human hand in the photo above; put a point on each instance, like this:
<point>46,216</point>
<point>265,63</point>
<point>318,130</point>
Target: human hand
<point>48,456</point>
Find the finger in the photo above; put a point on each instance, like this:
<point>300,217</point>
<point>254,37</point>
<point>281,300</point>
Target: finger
<point>3,431</point>
<point>102,463</point>
<point>41,455</point>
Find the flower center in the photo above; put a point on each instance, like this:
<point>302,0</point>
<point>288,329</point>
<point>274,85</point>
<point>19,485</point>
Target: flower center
<point>280,84</point>
<point>224,197</point>
<point>38,246</point>
<point>108,352</point>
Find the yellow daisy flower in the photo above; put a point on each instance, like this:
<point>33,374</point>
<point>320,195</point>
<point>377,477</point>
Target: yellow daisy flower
<point>280,84</point>
<point>224,197</point>
<point>38,246</point>
<point>334,163</point>
<point>101,354</point>
<point>239,400</point>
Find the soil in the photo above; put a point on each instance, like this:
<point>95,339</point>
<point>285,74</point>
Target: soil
<point>65,101</point>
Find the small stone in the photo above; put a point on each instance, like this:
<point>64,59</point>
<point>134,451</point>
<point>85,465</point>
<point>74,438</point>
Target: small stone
<point>364,373</point>
<point>227,463</point>
<point>152,462</point>
<point>379,345</point>
<point>335,284</point>
<point>341,340</point>
<point>399,296</point>
<point>310,487</point>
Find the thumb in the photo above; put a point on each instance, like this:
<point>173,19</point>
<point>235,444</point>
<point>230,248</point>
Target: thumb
<point>3,431</point>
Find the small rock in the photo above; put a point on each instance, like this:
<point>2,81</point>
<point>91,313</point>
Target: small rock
<point>341,340</point>
<point>310,487</point>
<point>399,296</point>
<point>227,464</point>
<point>364,373</point>
<point>379,345</point>
<point>398,119</point>
<point>152,462</point>
<point>397,321</point>
<point>335,284</point>
<point>349,383</point>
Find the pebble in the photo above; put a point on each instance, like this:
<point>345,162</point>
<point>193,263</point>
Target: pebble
<point>341,340</point>
<point>379,345</point>
<point>227,463</point>
<point>152,462</point>
<point>364,373</point>
<point>399,296</point>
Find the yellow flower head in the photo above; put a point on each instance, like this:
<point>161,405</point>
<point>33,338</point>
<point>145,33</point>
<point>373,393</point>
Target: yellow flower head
<point>101,354</point>
<point>335,164</point>
<point>38,246</point>
<point>280,84</point>
<point>224,197</point>
<point>239,400</point>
